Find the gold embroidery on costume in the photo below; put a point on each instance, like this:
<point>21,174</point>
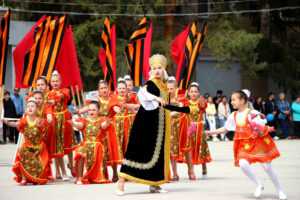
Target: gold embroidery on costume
<point>30,154</point>
<point>92,131</point>
<point>247,146</point>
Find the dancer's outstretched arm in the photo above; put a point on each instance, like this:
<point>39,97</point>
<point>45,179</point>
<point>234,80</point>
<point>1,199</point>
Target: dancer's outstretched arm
<point>14,124</point>
<point>218,131</point>
<point>184,109</point>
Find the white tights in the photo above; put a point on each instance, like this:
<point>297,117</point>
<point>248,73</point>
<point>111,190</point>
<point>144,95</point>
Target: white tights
<point>248,171</point>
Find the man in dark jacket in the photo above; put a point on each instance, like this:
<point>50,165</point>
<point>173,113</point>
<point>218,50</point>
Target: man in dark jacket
<point>270,108</point>
<point>9,112</point>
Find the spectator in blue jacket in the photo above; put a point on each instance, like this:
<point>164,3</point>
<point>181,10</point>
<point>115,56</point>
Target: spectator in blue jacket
<point>283,115</point>
<point>296,116</point>
<point>19,105</point>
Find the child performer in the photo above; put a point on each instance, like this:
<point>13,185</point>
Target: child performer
<point>193,138</point>
<point>175,126</point>
<point>61,132</point>
<point>132,97</point>
<point>122,118</point>
<point>32,160</point>
<point>42,85</point>
<point>110,143</point>
<point>89,154</point>
<point>252,143</point>
<point>39,99</point>
<point>106,110</point>
<point>130,87</point>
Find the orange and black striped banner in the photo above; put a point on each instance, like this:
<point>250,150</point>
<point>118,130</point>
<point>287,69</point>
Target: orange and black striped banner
<point>134,51</point>
<point>41,59</point>
<point>195,53</point>
<point>107,53</point>
<point>4,35</point>
<point>193,47</point>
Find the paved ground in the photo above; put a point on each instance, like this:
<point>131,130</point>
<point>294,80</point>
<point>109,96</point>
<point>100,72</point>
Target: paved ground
<point>224,180</point>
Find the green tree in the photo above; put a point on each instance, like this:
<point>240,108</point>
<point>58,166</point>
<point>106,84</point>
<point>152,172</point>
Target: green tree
<point>283,65</point>
<point>87,38</point>
<point>228,43</point>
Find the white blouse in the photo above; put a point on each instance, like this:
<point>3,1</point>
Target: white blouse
<point>147,100</point>
<point>230,124</point>
<point>223,110</point>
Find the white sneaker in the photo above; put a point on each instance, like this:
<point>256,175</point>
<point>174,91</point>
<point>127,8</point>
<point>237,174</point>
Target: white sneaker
<point>65,178</point>
<point>204,176</point>
<point>282,196</point>
<point>162,191</point>
<point>120,192</point>
<point>258,191</point>
<point>157,189</point>
<point>276,138</point>
<point>215,139</point>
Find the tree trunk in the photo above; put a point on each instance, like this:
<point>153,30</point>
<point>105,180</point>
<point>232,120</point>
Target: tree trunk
<point>169,20</point>
<point>265,20</point>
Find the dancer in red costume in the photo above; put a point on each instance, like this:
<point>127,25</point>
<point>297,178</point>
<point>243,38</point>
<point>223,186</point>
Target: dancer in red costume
<point>90,153</point>
<point>252,142</point>
<point>192,136</point>
<point>61,140</point>
<point>32,160</point>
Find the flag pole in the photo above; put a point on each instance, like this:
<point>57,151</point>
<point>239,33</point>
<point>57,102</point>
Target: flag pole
<point>1,106</point>
<point>73,96</point>
<point>78,96</point>
<point>82,96</point>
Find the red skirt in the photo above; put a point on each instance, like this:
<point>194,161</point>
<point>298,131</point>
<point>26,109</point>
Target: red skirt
<point>92,154</point>
<point>195,144</point>
<point>32,164</point>
<point>259,149</point>
<point>60,135</point>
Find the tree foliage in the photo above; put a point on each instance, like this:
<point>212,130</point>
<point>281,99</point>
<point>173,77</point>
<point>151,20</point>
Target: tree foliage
<point>283,65</point>
<point>87,38</point>
<point>228,44</point>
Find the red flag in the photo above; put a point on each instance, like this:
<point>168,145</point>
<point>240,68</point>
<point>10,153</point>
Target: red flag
<point>67,62</point>
<point>20,51</point>
<point>102,60</point>
<point>147,52</point>
<point>185,50</point>
<point>178,50</point>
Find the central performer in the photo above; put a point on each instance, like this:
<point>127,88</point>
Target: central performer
<point>147,157</point>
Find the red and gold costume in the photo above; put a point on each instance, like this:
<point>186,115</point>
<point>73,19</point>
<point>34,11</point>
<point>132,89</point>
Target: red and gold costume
<point>132,97</point>
<point>250,146</point>
<point>32,160</point>
<point>41,110</point>
<point>92,151</point>
<point>123,122</point>
<point>194,143</point>
<point>61,140</point>
<point>175,152</point>
<point>111,155</point>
